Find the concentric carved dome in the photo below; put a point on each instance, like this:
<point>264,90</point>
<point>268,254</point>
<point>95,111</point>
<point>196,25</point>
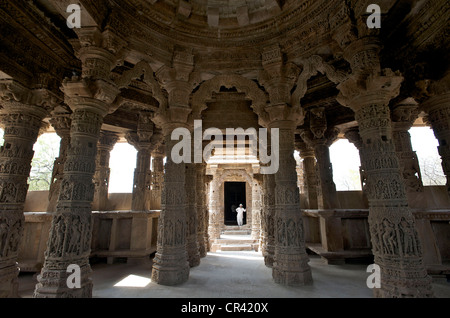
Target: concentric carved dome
<point>228,13</point>
<point>225,23</point>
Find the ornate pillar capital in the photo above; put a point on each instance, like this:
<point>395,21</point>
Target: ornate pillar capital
<point>352,135</point>
<point>61,122</point>
<point>99,51</point>
<point>107,140</point>
<point>405,113</point>
<point>15,97</point>
<point>375,89</point>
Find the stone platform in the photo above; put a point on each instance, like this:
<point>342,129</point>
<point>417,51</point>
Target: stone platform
<point>235,238</point>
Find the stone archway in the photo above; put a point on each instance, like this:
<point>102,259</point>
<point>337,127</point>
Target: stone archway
<point>216,209</point>
<point>242,85</point>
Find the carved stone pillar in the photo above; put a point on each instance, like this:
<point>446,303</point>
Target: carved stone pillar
<point>157,177</point>
<point>90,98</point>
<point>403,116</point>
<point>309,174</point>
<point>192,244</point>
<point>267,219</point>
<point>21,122</point>
<point>141,140</point>
<point>61,124</point>
<point>207,207</point>
<point>290,265</point>
<point>201,207</point>
<point>256,206</point>
<point>214,220</point>
<point>438,116</point>
<point>352,135</point>
<point>105,145</point>
<point>70,233</point>
<point>170,265</point>
<point>395,241</point>
<point>320,137</point>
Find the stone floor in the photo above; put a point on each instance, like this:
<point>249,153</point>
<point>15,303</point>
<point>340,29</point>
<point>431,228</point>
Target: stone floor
<point>230,274</point>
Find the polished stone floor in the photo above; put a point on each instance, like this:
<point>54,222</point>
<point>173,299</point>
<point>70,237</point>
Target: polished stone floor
<point>229,275</point>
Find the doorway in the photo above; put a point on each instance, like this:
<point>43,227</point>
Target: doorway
<point>234,195</point>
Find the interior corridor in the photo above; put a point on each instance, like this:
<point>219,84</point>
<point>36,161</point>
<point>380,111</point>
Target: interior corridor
<point>229,274</point>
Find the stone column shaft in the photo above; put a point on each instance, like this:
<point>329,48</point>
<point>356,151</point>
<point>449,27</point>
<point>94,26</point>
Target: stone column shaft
<point>21,125</point>
<point>290,265</point>
<point>61,124</point>
<point>438,110</point>
<point>256,207</point>
<point>171,266</point>
<point>215,221</point>
<point>201,207</point>
<point>310,177</point>
<point>395,241</point>
<point>267,219</point>
<point>192,244</point>
<point>105,145</point>
<point>207,208</point>
<point>328,194</point>
<point>403,116</point>
<point>142,180</point>
<point>90,97</point>
<point>71,230</point>
<point>157,180</point>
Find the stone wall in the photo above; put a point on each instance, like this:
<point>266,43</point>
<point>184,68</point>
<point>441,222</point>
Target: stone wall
<point>340,235</point>
<point>117,234</point>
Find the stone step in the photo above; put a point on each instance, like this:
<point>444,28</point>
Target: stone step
<point>237,247</point>
<point>237,232</point>
<point>241,242</point>
<point>235,241</point>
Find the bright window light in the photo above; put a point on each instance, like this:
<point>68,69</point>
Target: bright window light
<point>133,281</point>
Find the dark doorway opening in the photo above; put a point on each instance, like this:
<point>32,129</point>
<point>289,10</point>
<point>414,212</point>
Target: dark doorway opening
<point>234,195</point>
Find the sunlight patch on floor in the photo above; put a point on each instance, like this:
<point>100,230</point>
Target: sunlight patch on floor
<point>133,281</point>
<point>245,257</point>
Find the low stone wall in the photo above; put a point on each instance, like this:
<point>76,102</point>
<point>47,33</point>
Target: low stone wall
<point>117,234</point>
<point>339,235</point>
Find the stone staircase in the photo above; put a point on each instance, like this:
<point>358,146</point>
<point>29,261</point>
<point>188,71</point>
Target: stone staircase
<point>235,238</point>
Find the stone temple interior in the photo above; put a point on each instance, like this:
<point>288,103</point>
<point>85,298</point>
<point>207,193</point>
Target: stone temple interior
<point>178,78</point>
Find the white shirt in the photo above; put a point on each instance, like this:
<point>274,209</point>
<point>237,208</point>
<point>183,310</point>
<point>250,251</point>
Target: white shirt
<point>240,211</point>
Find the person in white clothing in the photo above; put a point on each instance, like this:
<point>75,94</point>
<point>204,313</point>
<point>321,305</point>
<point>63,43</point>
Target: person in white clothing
<point>240,214</point>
